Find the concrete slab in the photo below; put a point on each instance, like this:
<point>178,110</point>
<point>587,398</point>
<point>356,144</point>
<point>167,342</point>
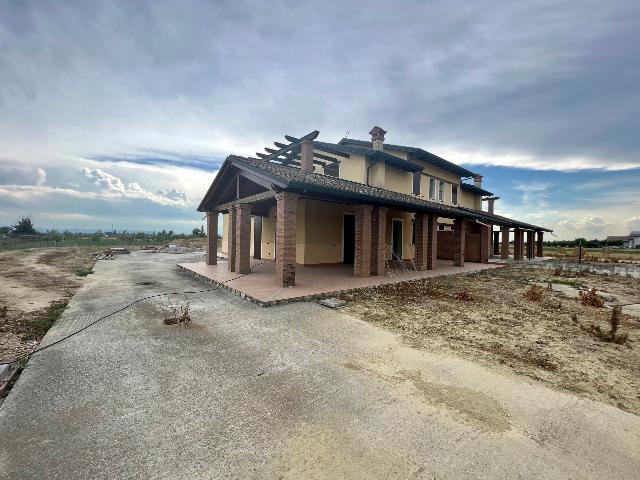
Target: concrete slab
<point>313,282</point>
<point>292,391</point>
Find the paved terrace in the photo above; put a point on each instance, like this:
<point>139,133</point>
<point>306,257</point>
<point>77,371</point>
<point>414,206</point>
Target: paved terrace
<point>313,282</point>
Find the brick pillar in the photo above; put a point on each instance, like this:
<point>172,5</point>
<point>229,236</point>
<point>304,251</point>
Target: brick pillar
<point>212,238</point>
<point>378,240</point>
<point>362,259</point>
<point>458,242</point>
<point>504,244</point>
<point>243,238</point>
<point>231,240</point>
<point>306,156</point>
<point>539,245</point>
<point>421,230</point>
<point>286,211</point>
<point>485,244</point>
<point>496,242</point>
<point>517,244</point>
<point>432,242</point>
<point>530,250</point>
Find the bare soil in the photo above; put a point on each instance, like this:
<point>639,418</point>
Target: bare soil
<point>493,317</point>
<point>35,288</point>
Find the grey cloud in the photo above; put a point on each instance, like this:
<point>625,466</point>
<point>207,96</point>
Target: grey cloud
<point>549,80</point>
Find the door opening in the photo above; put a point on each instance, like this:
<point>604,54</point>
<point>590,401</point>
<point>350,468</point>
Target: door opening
<point>348,238</point>
<point>396,239</point>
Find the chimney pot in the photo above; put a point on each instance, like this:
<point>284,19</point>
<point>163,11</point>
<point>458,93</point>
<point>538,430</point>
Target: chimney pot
<point>477,181</point>
<point>377,138</point>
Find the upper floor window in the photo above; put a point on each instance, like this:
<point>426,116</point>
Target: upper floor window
<point>441,191</point>
<point>432,188</point>
<point>332,169</point>
<point>417,176</point>
<point>454,194</point>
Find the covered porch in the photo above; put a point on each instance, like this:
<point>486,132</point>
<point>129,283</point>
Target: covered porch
<point>313,281</point>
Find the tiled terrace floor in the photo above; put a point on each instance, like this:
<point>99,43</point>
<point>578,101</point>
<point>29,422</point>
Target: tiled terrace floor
<point>312,282</point>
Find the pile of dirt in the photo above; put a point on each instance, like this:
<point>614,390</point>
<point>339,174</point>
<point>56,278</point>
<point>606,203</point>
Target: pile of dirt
<point>494,318</point>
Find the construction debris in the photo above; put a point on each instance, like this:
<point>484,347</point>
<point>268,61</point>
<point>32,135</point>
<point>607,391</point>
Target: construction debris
<point>333,302</point>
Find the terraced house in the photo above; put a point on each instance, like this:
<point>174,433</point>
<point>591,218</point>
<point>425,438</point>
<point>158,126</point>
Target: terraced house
<point>366,203</point>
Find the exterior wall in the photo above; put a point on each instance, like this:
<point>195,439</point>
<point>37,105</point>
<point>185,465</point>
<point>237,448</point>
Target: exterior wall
<point>300,231</point>
<point>398,180</point>
<point>323,223</point>
<point>466,199</point>
<point>354,168</point>
<point>408,249</point>
<point>225,234</point>
<point>377,175</point>
<point>268,244</point>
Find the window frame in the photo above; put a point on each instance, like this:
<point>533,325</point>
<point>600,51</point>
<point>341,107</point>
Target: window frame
<point>441,191</point>
<point>432,188</point>
<point>454,194</point>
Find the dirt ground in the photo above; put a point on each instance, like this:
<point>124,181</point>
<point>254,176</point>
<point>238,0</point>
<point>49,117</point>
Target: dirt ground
<point>36,285</point>
<point>486,317</point>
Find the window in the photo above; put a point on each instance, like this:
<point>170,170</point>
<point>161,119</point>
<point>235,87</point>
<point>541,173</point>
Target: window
<point>417,176</point>
<point>332,169</point>
<point>454,194</point>
<point>432,188</point>
<point>441,191</point>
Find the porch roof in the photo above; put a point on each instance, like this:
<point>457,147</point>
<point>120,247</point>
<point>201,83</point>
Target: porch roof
<point>325,186</point>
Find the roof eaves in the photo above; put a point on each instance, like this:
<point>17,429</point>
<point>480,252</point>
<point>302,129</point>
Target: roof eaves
<point>472,188</point>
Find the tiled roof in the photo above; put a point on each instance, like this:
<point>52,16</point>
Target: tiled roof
<point>294,179</point>
<point>419,153</point>
<point>473,189</point>
<point>392,160</point>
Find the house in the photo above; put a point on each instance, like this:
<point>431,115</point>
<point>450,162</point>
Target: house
<point>628,241</point>
<point>366,203</point>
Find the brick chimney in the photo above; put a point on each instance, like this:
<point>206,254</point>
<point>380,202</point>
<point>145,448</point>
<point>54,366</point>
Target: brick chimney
<point>490,203</point>
<point>377,138</point>
<point>306,156</point>
<point>477,181</point>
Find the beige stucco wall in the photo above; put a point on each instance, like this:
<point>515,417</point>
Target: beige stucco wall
<point>225,234</point>
<point>323,231</point>
<point>398,180</point>
<point>377,175</point>
<point>353,168</point>
<point>408,249</point>
<point>268,244</point>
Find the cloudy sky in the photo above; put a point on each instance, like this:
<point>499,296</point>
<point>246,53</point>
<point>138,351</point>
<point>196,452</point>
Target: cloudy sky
<point>121,112</point>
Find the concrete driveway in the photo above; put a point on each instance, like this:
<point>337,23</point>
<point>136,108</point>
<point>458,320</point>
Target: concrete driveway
<point>294,391</point>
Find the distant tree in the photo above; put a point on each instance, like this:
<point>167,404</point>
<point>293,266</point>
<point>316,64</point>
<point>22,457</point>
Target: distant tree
<point>24,227</point>
<point>4,230</point>
<point>199,232</point>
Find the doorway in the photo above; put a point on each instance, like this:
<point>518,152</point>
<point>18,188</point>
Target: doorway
<point>257,237</point>
<point>348,238</point>
<point>396,239</point>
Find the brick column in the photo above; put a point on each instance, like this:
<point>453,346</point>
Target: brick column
<point>539,245</point>
<point>286,211</point>
<point>421,230</point>
<point>496,242</point>
<point>362,258</point>
<point>231,240</point>
<point>243,238</point>
<point>378,240</point>
<point>432,242</point>
<point>485,244</point>
<point>504,244</point>
<point>530,250</point>
<point>458,242</point>
<point>212,238</point>
<point>517,244</point>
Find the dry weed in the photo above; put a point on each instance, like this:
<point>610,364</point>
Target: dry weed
<point>591,298</point>
<point>464,296</point>
<point>534,294</point>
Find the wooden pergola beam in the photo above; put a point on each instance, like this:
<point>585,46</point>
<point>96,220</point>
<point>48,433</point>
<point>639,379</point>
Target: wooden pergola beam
<point>309,136</point>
